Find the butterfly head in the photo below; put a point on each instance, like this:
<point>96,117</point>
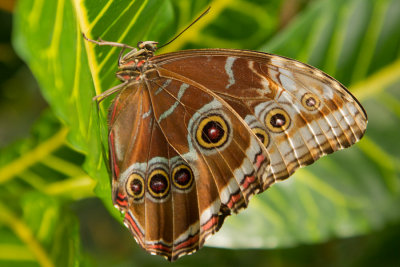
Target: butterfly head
<point>144,50</point>
<point>148,45</point>
<point>133,63</point>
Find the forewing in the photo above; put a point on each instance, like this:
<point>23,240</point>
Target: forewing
<point>297,111</point>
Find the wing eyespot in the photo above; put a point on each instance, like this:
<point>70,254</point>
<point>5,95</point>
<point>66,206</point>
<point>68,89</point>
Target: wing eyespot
<point>158,183</point>
<point>135,186</point>
<point>262,135</point>
<point>182,177</point>
<point>212,132</point>
<point>310,101</point>
<point>277,120</point>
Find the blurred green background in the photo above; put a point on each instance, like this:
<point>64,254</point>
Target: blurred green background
<point>55,203</point>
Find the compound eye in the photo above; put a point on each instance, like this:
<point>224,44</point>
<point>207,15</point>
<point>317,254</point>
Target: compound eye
<point>150,47</point>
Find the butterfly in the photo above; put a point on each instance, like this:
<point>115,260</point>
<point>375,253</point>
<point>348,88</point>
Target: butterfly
<point>194,134</point>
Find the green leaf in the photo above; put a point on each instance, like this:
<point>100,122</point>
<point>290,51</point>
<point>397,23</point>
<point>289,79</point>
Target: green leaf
<point>349,193</point>
<point>39,176</point>
<point>47,233</point>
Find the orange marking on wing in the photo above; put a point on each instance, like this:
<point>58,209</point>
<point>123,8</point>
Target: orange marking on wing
<point>248,181</point>
<point>114,111</point>
<point>188,242</point>
<point>134,225</point>
<point>114,162</point>
<point>121,200</point>
<point>210,223</point>
<point>233,200</point>
<point>259,159</point>
<point>160,247</point>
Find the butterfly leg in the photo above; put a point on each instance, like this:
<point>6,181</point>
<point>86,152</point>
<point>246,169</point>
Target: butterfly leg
<point>102,42</point>
<point>110,91</point>
<point>120,56</point>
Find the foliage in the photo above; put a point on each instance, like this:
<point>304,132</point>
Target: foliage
<point>352,192</point>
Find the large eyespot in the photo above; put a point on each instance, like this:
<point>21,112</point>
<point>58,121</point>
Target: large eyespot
<point>135,186</point>
<point>277,120</point>
<point>310,101</point>
<point>182,177</point>
<point>262,135</point>
<point>212,132</point>
<point>158,183</point>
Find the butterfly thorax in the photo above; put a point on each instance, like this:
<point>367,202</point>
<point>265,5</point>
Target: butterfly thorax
<point>134,63</point>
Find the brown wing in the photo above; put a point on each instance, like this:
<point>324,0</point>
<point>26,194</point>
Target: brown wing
<point>182,160</point>
<point>299,112</point>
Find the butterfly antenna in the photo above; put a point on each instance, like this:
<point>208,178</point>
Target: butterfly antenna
<point>191,24</point>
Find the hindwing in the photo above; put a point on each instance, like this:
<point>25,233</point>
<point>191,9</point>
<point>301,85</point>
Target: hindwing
<point>187,162</point>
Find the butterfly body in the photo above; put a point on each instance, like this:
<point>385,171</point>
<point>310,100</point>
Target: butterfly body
<point>194,134</point>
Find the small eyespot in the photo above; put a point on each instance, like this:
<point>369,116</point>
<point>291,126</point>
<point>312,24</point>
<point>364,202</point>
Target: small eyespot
<point>262,135</point>
<point>212,132</point>
<point>135,186</point>
<point>182,177</point>
<point>310,101</point>
<point>277,120</point>
<point>158,183</point>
